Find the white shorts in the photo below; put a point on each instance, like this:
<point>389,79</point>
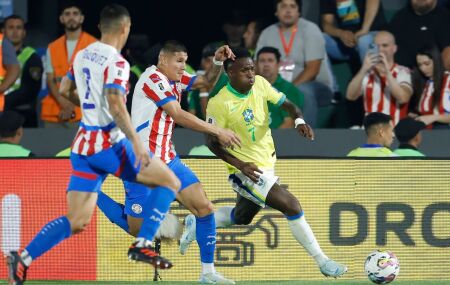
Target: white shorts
<point>255,192</point>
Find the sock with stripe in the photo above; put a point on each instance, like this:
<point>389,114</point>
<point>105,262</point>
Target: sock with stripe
<point>113,211</point>
<point>305,236</point>
<point>158,204</point>
<point>50,235</point>
<point>224,217</point>
<point>206,239</point>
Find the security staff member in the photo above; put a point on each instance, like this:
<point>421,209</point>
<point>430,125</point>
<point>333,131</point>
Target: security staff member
<point>22,95</point>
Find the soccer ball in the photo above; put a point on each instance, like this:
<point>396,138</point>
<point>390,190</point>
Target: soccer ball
<point>382,267</point>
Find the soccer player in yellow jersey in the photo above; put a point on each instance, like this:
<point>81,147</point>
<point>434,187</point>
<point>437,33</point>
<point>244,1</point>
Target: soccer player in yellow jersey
<point>241,106</point>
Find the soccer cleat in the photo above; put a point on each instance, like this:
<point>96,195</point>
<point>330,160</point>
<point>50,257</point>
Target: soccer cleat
<point>333,269</point>
<point>148,255</point>
<point>17,270</point>
<point>214,278</point>
<point>188,235</point>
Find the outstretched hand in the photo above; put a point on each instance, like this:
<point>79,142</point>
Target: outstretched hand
<point>250,170</point>
<point>306,131</point>
<point>223,53</point>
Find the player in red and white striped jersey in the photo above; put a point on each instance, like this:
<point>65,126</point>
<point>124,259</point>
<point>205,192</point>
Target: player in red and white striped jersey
<point>432,89</point>
<point>100,148</point>
<point>385,85</point>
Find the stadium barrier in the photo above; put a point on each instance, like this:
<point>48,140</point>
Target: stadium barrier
<point>353,206</point>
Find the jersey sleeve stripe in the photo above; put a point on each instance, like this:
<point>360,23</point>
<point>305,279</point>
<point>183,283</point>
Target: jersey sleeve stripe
<point>70,75</point>
<point>281,101</point>
<point>150,94</point>
<point>115,86</point>
<point>191,82</point>
<point>95,128</point>
<point>142,126</point>
<point>166,100</point>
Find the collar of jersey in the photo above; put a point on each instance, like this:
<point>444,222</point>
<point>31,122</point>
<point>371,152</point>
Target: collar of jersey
<point>236,93</point>
<point>371,145</point>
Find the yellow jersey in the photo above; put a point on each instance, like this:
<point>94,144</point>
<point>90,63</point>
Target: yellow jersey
<point>248,116</point>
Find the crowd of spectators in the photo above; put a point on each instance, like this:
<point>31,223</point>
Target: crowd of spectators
<point>399,67</point>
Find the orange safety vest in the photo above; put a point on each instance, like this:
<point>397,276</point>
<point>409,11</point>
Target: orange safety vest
<point>2,74</point>
<point>58,52</point>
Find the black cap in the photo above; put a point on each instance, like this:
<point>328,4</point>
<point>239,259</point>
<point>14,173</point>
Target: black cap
<point>407,129</point>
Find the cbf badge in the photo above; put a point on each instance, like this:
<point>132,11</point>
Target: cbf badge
<point>248,115</point>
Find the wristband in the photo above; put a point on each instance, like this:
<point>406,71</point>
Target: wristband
<point>299,121</point>
<point>203,94</point>
<point>217,62</point>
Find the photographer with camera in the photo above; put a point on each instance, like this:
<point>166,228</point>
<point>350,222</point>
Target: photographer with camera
<point>385,85</point>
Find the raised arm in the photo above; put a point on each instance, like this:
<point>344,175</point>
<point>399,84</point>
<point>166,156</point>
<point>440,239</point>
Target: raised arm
<point>226,137</point>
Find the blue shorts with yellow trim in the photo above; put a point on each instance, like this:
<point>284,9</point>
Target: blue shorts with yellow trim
<point>89,172</point>
<point>137,194</point>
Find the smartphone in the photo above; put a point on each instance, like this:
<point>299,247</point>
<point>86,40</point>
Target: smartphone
<point>373,49</point>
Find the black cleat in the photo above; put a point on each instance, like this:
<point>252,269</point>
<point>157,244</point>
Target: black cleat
<point>148,255</point>
<point>17,270</point>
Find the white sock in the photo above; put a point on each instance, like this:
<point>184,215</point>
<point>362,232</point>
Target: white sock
<point>208,268</point>
<point>223,217</point>
<point>304,235</point>
<point>26,258</point>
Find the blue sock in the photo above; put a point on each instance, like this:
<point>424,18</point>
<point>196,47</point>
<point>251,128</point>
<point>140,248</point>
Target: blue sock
<point>158,203</point>
<point>113,211</point>
<point>206,237</point>
<point>50,235</point>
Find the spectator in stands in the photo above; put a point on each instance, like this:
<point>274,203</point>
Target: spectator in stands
<point>135,49</point>
<point>303,56</point>
<point>380,134</point>
<point>350,27</point>
<point>9,68</point>
<point>385,85</point>
<point>409,136</point>
<point>267,65</point>
<point>423,22</point>
<point>57,111</point>
<point>22,95</point>
<point>11,132</point>
<point>252,33</point>
<point>431,89</point>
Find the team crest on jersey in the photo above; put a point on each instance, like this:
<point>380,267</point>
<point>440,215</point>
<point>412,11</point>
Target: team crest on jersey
<point>155,78</point>
<point>161,86</point>
<point>136,208</point>
<point>248,115</point>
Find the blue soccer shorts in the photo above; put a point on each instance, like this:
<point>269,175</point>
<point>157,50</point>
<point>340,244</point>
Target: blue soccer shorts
<point>89,172</point>
<point>137,194</point>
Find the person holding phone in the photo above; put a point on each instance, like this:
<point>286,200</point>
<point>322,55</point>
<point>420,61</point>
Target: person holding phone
<point>385,85</point>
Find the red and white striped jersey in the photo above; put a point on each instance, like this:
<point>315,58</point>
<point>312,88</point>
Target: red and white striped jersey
<point>425,106</point>
<point>377,94</point>
<point>153,124</point>
<point>95,68</point>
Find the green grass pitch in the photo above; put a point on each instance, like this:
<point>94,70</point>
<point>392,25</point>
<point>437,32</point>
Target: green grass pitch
<point>327,282</point>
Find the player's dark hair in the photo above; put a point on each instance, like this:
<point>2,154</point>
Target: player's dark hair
<point>69,4</point>
<point>272,50</point>
<point>13,17</point>
<point>239,52</point>
<point>112,16</point>
<point>173,46</point>
<point>374,119</point>
<point>299,4</point>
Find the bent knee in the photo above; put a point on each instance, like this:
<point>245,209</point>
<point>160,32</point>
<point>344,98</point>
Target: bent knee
<point>292,208</point>
<point>203,208</point>
<point>79,225</point>
<point>242,219</point>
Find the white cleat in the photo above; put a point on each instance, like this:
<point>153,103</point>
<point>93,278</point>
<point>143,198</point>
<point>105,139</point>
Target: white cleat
<point>214,278</point>
<point>333,269</point>
<point>188,235</point>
